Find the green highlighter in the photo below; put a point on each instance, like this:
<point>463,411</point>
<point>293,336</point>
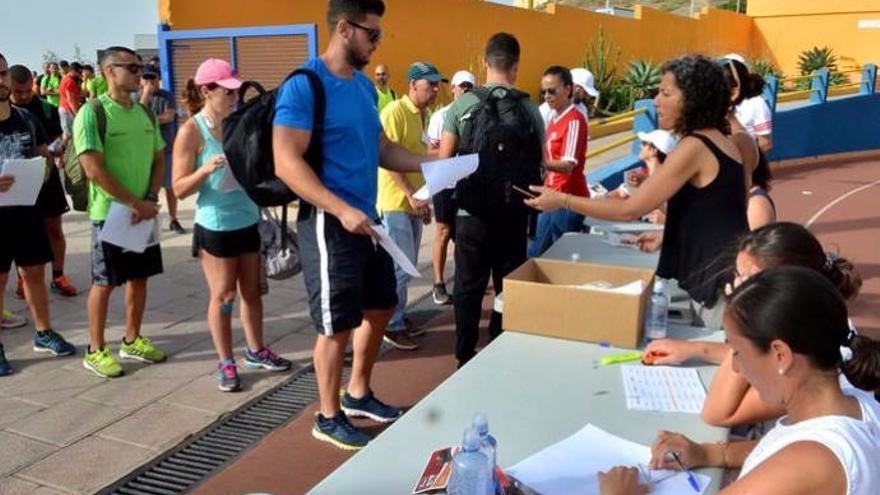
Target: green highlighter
<point>621,358</point>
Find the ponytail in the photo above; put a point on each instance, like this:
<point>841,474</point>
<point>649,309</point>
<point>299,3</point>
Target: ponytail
<point>863,369</point>
<point>192,98</point>
<point>753,85</point>
<point>844,275</point>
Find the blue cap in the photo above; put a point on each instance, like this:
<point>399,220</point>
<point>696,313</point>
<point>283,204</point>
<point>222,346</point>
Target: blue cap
<point>481,424</point>
<point>426,71</point>
<point>471,441</point>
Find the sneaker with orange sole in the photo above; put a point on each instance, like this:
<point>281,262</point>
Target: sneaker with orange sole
<point>61,285</point>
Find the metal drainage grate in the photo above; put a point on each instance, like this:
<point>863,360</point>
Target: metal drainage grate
<point>205,452</point>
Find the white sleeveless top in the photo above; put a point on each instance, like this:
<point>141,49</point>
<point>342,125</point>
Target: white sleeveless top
<point>855,443</point>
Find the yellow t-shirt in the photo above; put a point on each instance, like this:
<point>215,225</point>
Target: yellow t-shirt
<point>404,124</point>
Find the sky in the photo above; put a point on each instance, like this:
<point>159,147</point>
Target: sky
<point>29,27</point>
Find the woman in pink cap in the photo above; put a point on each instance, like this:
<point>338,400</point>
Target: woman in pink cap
<point>225,237</point>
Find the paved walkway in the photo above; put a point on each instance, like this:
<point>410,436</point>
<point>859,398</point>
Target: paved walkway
<point>65,430</point>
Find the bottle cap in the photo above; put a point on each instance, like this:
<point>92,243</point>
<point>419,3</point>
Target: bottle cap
<point>659,286</point>
<point>471,441</point>
<point>481,424</point>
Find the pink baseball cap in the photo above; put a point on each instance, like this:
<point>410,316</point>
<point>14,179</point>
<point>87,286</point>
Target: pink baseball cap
<point>217,71</point>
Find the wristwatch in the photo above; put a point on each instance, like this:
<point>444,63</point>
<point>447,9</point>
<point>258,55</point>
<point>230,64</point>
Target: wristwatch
<point>151,196</point>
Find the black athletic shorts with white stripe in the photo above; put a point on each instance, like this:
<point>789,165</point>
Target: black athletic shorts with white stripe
<point>345,273</point>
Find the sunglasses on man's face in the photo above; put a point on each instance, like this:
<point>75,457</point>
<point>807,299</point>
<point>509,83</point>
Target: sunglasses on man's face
<point>373,35</point>
<point>549,91</point>
<point>134,68</point>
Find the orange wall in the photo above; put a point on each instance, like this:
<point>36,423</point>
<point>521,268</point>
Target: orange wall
<point>451,33</point>
<point>784,29</point>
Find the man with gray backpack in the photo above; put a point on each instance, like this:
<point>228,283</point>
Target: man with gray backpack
<point>501,124</point>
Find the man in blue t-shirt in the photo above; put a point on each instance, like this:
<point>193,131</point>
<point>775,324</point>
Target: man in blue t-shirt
<point>349,278</point>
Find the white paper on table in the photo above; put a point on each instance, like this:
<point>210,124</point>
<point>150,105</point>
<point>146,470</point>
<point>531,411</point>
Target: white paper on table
<point>396,253</point>
<point>571,466</point>
<point>632,288</point>
<point>227,181</point>
<point>444,174</point>
<point>663,388</point>
<point>28,175</point>
<point>119,231</point>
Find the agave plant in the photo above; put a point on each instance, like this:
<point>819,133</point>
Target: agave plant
<point>820,58</point>
<point>765,68</point>
<point>642,78</point>
<point>601,59</point>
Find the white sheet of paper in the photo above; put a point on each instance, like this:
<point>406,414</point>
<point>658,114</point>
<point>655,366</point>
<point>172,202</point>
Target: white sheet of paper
<point>119,231</point>
<point>663,388</point>
<point>571,466</point>
<point>632,288</point>
<point>227,181</point>
<point>396,253</point>
<point>444,174</point>
<point>28,175</point>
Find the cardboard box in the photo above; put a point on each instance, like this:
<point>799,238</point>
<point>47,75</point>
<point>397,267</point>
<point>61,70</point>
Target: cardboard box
<point>539,299</point>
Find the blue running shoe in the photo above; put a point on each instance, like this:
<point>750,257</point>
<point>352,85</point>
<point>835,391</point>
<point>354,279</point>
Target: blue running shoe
<point>369,406</point>
<point>49,341</point>
<point>266,359</point>
<point>5,368</point>
<point>227,378</point>
<point>339,431</point>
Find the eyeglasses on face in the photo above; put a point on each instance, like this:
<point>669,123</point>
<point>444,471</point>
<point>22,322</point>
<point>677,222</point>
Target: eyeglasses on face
<point>549,91</point>
<point>373,35</point>
<point>132,67</point>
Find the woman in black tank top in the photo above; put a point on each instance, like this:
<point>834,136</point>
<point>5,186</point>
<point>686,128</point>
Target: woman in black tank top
<point>702,180</point>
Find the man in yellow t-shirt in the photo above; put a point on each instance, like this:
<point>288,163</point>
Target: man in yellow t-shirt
<point>405,121</point>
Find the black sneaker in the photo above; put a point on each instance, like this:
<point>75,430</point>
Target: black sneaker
<point>5,368</point>
<point>175,227</point>
<point>441,297</point>
<point>339,431</point>
<point>369,406</point>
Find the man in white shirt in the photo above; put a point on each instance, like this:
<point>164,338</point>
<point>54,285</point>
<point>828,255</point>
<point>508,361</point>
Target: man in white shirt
<point>444,206</point>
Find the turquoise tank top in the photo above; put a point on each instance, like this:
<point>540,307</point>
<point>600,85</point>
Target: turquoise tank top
<point>219,209</point>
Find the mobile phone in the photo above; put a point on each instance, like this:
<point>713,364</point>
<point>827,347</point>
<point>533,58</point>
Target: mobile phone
<point>525,193</point>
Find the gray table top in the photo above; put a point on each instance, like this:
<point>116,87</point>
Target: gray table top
<point>604,226</point>
<point>595,248</point>
<point>535,391</point>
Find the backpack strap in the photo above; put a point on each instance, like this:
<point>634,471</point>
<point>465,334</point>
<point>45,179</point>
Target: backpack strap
<point>100,116</point>
<point>315,153</point>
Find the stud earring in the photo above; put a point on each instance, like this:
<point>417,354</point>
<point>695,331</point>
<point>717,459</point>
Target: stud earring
<point>781,371</point>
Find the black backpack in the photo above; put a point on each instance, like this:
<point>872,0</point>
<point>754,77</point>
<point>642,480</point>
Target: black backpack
<point>501,130</point>
<point>247,142</point>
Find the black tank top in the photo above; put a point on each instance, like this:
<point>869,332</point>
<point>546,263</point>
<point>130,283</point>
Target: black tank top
<point>702,227</point>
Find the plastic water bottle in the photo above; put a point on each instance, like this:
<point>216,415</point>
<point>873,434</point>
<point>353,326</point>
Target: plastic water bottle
<point>470,468</point>
<point>488,445</point>
<point>656,322</point>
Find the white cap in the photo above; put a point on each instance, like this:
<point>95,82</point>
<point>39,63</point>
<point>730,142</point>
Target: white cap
<point>736,56</point>
<point>463,76</point>
<point>664,141</point>
<point>584,78</point>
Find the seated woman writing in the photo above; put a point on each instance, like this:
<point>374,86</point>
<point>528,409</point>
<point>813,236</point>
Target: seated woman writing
<point>790,339</point>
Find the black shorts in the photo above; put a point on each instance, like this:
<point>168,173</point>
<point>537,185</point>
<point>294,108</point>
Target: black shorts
<point>345,273</point>
<point>226,244</point>
<point>112,265</point>
<point>24,238</point>
<point>51,202</point>
<point>445,207</point>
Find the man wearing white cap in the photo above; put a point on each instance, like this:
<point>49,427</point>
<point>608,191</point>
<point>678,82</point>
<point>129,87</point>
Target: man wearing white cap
<point>584,89</point>
<point>754,114</point>
<point>444,206</point>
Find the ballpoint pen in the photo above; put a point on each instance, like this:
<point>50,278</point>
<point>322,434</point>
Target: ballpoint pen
<point>692,478</point>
